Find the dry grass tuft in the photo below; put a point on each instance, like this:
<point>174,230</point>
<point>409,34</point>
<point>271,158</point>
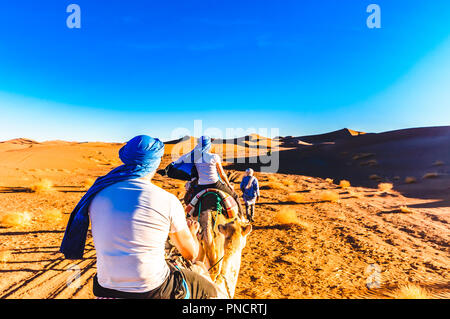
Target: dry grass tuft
<point>88,182</point>
<point>410,180</point>
<point>15,219</point>
<point>431,175</point>
<point>329,196</point>
<point>295,198</point>
<point>288,216</point>
<point>344,184</point>
<point>411,291</point>
<point>406,210</point>
<point>52,215</point>
<point>329,181</point>
<point>44,185</point>
<point>5,256</point>
<point>438,163</point>
<point>385,187</point>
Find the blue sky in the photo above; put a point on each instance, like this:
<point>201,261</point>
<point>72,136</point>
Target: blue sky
<point>148,67</point>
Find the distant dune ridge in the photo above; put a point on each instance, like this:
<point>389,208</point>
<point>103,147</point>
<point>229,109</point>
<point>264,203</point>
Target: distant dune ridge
<point>356,156</point>
<point>343,154</point>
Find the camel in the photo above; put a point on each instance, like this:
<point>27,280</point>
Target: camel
<point>222,241</point>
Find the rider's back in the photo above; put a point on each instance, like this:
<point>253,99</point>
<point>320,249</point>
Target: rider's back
<point>130,224</point>
<point>207,169</point>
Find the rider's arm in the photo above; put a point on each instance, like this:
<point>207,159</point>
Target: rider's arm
<point>186,241</point>
<point>222,175</point>
<point>183,233</point>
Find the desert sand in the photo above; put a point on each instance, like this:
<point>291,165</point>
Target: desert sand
<point>313,236</point>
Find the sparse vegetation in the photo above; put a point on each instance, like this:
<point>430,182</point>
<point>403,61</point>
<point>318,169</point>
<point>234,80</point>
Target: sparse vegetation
<point>374,177</point>
<point>344,184</point>
<point>15,219</point>
<point>385,187</point>
<point>288,216</point>
<point>44,185</point>
<point>329,181</point>
<point>438,163</point>
<point>411,291</point>
<point>295,198</point>
<point>329,196</point>
<point>431,175</point>
<point>406,210</point>
<point>410,180</point>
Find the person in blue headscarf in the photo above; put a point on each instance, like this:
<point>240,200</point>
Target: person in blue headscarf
<point>131,219</point>
<point>206,167</point>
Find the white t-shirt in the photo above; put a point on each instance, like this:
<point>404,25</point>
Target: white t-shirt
<point>207,170</point>
<point>131,221</point>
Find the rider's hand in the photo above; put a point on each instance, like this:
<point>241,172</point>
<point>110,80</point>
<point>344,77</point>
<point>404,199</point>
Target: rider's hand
<point>194,226</point>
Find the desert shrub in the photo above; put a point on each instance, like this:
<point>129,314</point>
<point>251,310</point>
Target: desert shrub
<point>44,185</point>
<point>438,163</point>
<point>406,210</point>
<point>288,216</point>
<point>329,196</point>
<point>15,219</point>
<point>295,198</point>
<point>385,187</point>
<point>410,180</point>
<point>411,291</point>
<point>344,184</point>
<point>329,180</point>
<point>430,175</point>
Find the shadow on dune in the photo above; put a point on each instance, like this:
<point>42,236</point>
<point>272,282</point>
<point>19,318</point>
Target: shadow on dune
<point>392,156</point>
<point>9,190</point>
<point>32,232</point>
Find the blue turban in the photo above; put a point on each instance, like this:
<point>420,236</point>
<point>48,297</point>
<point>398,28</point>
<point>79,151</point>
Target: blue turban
<point>141,156</point>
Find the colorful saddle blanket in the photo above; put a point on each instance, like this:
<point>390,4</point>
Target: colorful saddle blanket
<point>228,205</point>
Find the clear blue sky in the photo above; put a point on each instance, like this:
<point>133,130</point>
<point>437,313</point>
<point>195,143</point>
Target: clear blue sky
<point>304,67</point>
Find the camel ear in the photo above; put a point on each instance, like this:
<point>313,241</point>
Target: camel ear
<point>246,230</point>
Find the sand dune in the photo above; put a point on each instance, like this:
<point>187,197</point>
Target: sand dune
<point>325,252</point>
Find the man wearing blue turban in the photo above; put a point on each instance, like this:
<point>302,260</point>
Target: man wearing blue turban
<point>131,219</point>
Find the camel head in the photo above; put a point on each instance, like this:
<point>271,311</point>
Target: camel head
<point>235,234</point>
